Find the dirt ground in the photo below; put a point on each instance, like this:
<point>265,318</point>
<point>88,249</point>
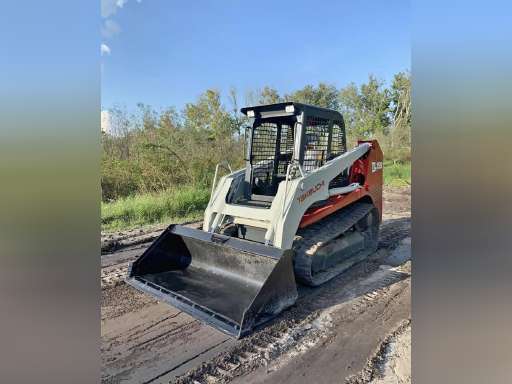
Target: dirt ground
<point>395,367</point>
<point>354,329</point>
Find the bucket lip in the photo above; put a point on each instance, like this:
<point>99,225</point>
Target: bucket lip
<point>232,242</point>
<point>222,323</point>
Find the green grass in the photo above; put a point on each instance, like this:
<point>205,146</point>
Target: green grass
<point>180,204</point>
<point>397,174</point>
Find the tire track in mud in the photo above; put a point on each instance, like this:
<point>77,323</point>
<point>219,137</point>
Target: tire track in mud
<point>161,321</point>
<point>171,332</point>
<point>142,338</point>
<point>185,362</point>
<point>114,266</point>
<point>111,242</point>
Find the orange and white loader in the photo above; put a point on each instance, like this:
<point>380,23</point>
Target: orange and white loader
<point>303,210</point>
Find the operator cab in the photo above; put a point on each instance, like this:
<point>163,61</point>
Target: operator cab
<point>284,133</point>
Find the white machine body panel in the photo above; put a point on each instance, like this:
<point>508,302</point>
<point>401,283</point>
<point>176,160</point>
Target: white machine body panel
<point>294,196</point>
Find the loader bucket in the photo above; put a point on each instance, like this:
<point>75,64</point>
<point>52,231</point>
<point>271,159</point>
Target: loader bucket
<point>229,283</point>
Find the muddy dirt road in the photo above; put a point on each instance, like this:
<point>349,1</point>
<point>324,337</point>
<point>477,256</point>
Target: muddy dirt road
<point>338,332</point>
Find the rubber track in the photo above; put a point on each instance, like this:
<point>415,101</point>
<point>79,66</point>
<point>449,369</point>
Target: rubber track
<point>310,239</point>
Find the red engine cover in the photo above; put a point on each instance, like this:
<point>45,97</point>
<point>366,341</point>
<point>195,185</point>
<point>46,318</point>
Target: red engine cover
<point>367,171</point>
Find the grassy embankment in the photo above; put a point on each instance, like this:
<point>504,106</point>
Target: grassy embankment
<point>397,174</point>
<point>188,203</point>
<point>178,205</point>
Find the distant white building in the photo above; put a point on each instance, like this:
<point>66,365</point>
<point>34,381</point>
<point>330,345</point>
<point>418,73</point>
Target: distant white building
<point>106,123</point>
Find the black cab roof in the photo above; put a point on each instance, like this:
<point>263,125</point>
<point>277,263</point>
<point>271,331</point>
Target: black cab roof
<point>290,109</point>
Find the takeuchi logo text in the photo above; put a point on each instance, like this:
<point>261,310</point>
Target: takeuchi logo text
<point>310,191</point>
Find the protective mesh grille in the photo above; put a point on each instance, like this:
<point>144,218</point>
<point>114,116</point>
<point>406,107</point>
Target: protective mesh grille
<point>285,149</point>
<point>268,170</point>
<point>338,140</point>
<point>316,143</point>
<point>337,148</point>
<point>263,152</point>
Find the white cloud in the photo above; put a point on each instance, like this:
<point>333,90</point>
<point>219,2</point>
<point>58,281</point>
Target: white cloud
<point>110,7</point>
<point>110,28</point>
<point>105,49</point>
<point>120,3</point>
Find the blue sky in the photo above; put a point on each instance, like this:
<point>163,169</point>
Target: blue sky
<point>167,52</point>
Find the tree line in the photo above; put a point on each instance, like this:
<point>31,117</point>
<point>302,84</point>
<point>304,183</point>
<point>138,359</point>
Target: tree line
<point>151,151</point>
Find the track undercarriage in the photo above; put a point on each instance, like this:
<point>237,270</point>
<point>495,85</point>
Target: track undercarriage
<point>335,243</point>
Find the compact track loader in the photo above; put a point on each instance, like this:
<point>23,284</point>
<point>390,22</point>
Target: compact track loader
<point>304,209</point>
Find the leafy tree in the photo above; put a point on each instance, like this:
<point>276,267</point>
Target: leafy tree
<point>366,109</point>
<point>238,119</point>
<point>208,116</point>
<point>269,95</point>
<point>213,130</point>
<point>401,110</point>
<point>324,95</point>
